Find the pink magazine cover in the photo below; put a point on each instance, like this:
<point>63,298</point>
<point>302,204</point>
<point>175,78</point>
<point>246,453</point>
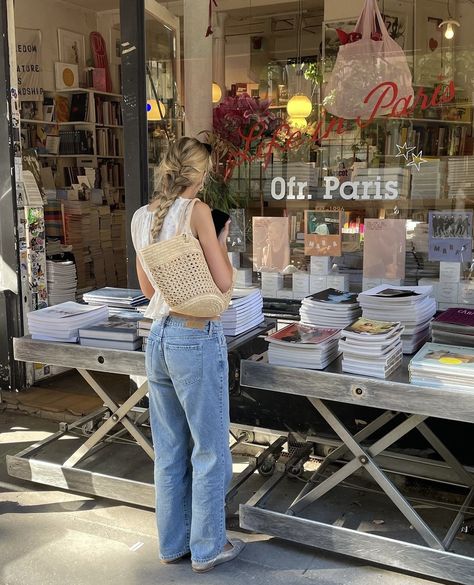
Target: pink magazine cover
<point>384,248</point>
<point>271,244</point>
<point>457,317</point>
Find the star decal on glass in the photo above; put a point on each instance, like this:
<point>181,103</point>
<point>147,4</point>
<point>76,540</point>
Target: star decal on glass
<point>405,150</point>
<point>416,160</point>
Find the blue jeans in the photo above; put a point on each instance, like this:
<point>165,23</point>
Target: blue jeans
<point>187,372</point>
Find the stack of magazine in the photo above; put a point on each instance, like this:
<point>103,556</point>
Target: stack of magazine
<point>454,326</point>
<point>117,299</point>
<point>62,281</point>
<point>143,329</point>
<point>62,322</point>
<point>245,311</point>
<point>371,348</point>
<point>303,346</point>
<point>411,305</point>
<point>443,366</point>
<point>330,308</point>
<point>119,332</point>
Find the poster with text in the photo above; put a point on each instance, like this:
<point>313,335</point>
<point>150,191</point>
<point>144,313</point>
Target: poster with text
<point>322,233</point>
<point>384,248</point>
<point>271,244</point>
<point>450,236</point>
<point>28,61</point>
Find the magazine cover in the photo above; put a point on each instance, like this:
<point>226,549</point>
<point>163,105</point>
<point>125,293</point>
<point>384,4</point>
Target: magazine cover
<point>303,334</point>
<point>236,238</point>
<point>384,248</point>
<point>454,316</point>
<point>372,327</point>
<point>332,296</point>
<point>445,358</point>
<point>450,236</point>
<point>322,233</point>
<point>271,244</point>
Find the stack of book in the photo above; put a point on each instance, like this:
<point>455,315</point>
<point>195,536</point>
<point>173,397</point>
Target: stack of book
<point>116,299</point>
<point>411,305</point>
<point>118,246</point>
<point>330,308</point>
<point>62,281</point>
<point>119,332</point>
<point>454,326</point>
<point>461,177</point>
<point>303,346</point>
<point>443,366</point>
<point>143,329</point>
<point>62,322</point>
<point>371,348</point>
<point>430,183</point>
<point>398,175</point>
<point>77,225</point>
<point>245,311</point>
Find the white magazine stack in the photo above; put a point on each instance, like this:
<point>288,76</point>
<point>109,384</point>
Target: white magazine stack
<point>117,299</point>
<point>62,281</point>
<point>120,331</point>
<point>245,311</point>
<point>443,366</point>
<point>371,348</point>
<point>411,305</point>
<point>62,322</point>
<point>303,346</point>
<point>330,308</point>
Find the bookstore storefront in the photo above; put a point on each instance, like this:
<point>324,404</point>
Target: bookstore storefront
<point>343,151</point>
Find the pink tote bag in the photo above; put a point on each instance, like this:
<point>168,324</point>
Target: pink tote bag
<point>369,75</point>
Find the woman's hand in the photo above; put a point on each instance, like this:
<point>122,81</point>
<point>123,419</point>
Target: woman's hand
<point>224,234</point>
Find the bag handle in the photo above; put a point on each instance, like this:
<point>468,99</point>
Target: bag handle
<point>368,20</point>
<point>188,210</point>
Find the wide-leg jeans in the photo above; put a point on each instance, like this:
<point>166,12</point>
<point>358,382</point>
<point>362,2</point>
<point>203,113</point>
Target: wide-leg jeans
<point>187,370</point>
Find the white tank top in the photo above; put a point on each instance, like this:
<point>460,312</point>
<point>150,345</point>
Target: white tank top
<point>141,236</point>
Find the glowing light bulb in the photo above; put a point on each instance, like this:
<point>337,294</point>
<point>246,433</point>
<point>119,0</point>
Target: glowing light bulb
<point>449,32</point>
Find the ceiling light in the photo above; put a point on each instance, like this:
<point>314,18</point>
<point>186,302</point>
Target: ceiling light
<point>449,24</point>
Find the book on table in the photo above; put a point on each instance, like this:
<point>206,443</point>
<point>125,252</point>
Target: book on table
<point>304,346</point>
<point>443,366</point>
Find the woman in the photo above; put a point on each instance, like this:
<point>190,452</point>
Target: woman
<point>187,371</point>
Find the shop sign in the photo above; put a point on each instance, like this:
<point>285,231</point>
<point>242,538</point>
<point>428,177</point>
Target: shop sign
<point>259,147</point>
<point>28,61</point>
<point>359,190</point>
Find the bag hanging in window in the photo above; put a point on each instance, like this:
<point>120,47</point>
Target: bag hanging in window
<point>178,268</point>
<point>369,59</point>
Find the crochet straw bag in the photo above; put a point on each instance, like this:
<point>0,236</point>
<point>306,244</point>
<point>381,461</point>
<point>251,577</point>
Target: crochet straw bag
<point>179,270</point>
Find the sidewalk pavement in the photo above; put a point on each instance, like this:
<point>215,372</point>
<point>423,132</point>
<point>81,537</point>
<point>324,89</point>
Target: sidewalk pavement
<point>51,537</point>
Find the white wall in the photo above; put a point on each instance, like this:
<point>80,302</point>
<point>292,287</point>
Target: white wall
<point>238,48</point>
<point>48,16</point>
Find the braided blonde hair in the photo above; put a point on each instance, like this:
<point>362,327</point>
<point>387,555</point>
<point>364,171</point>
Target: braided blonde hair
<point>186,163</point>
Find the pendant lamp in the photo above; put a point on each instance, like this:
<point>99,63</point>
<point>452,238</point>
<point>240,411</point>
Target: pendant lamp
<point>299,107</point>
<point>216,93</point>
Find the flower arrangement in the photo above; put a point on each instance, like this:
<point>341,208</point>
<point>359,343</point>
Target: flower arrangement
<point>234,118</point>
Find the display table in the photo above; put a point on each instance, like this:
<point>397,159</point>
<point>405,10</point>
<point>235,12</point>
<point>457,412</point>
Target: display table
<point>404,408</point>
<point>79,450</point>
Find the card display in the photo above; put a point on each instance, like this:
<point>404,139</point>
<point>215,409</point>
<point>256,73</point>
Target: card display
<point>384,248</point>
<point>322,233</point>
<point>450,236</point>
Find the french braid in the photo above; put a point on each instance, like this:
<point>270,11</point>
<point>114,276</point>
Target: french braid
<point>186,163</point>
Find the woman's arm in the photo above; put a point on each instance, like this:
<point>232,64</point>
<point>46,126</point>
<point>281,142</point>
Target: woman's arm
<point>145,285</point>
<point>215,249</point>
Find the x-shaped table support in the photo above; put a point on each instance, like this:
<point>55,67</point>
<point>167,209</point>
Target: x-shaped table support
<point>364,457</point>
<point>119,415</point>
